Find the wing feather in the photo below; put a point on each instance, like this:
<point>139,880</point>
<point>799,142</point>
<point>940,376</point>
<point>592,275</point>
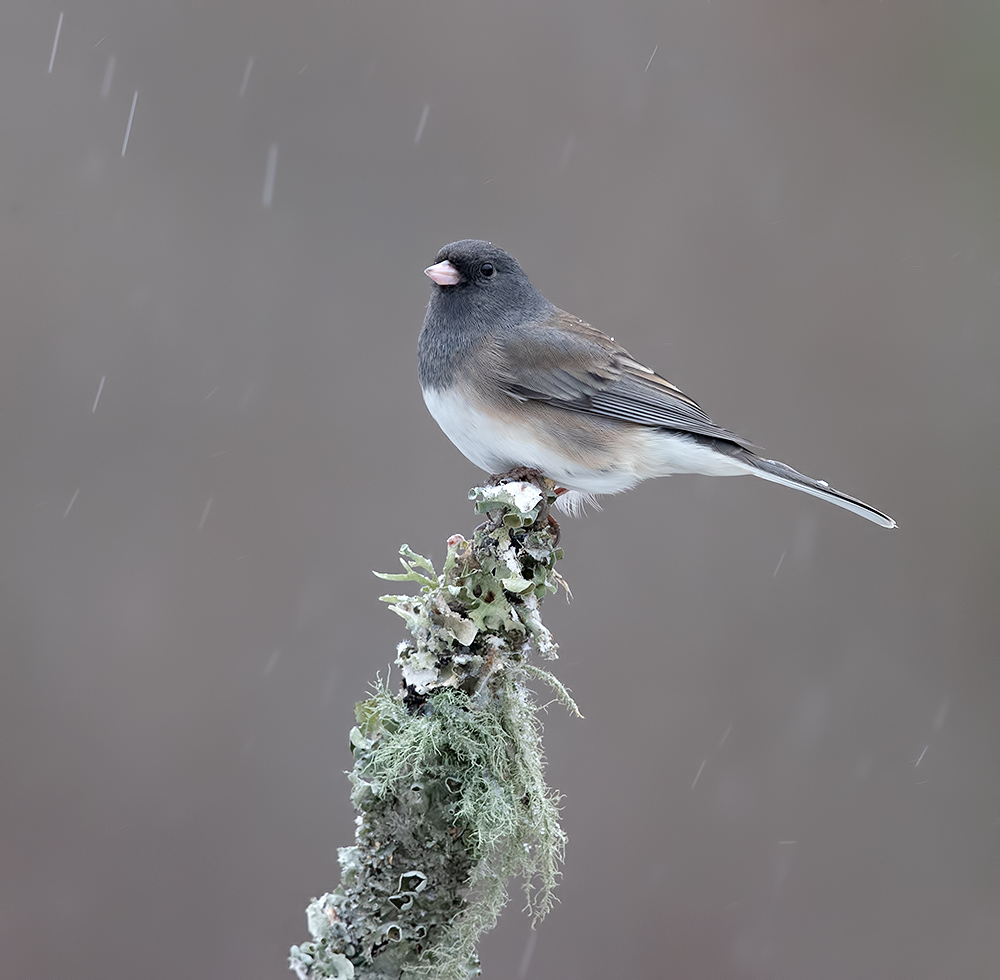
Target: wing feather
<point>566,362</point>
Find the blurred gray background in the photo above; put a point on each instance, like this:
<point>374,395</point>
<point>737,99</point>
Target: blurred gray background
<point>790,763</point>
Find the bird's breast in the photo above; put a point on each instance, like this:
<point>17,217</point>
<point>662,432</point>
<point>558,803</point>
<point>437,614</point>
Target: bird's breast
<point>481,437</point>
<point>579,452</point>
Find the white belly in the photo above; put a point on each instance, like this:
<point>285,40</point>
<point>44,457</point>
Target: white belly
<point>497,447</point>
<point>644,452</point>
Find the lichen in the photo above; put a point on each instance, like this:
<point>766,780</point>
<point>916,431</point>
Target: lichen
<point>449,771</point>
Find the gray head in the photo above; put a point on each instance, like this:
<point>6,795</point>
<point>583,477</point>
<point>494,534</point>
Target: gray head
<point>477,289</point>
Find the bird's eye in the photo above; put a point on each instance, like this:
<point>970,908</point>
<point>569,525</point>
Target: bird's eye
<point>487,270</point>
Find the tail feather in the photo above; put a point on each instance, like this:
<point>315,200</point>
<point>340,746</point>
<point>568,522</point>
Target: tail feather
<point>771,469</point>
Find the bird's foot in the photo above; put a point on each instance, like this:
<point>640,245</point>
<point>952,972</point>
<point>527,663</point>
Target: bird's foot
<point>522,474</point>
<point>528,474</point>
<point>554,529</point>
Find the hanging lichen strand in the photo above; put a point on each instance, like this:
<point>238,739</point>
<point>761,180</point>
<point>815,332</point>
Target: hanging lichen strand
<point>448,773</point>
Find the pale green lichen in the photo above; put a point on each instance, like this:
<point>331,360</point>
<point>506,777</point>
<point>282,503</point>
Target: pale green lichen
<point>449,772</point>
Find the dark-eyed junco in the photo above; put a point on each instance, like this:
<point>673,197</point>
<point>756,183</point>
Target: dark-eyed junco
<point>515,381</point>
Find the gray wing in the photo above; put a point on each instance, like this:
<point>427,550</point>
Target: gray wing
<point>570,364</point>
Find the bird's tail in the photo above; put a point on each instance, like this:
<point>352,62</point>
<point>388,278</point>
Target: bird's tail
<point>771,469</point>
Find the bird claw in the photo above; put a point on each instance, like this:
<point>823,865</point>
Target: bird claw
<point>527,474</point>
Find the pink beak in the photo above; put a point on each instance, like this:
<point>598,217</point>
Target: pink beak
<point>444,274</point>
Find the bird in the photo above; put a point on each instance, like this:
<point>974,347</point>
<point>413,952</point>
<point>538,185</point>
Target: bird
<point>515,381</point>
